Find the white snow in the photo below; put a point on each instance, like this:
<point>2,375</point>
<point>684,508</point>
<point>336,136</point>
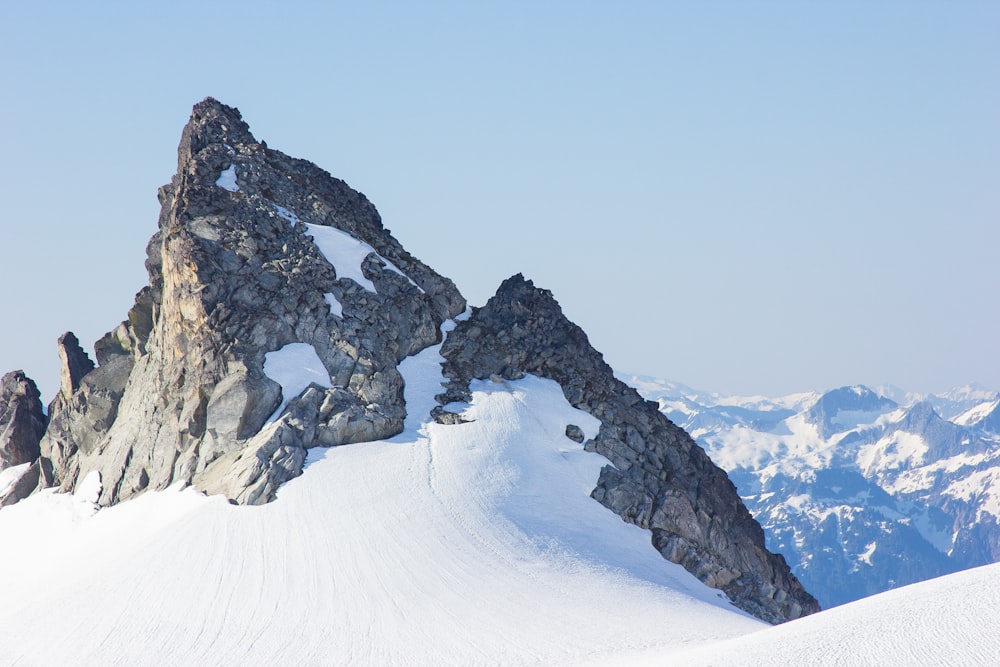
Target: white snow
<point>848,419</point>
<point>654,388</point>
<point>89,490</point>
<point>227,179</point>
<point>981,485</point>
<point>866,557</point>
<point>347,253</point>
<point>944,621</point>
<point>899,450</point>
<point>336,308</point>
<point>795,446</point>
<point>976,414</point>
<point>940,537</point>
<point>294,367</point>
<point>473,544</point>
<point>9,476</point>
<point>928,475</point>
<point>287,214</point>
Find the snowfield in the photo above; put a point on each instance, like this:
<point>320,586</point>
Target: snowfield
<point>946,621</point>
<point>473,544</point>
<point>468,544</point>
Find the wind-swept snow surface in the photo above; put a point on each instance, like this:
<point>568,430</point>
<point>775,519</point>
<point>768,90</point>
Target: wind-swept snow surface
<point>468,544</point>
<point>946,621</point>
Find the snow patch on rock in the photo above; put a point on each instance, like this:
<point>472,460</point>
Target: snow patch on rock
<point>294,367</point>
<point>336,308</point>
<point>347,254</point>
<point>227,179</point>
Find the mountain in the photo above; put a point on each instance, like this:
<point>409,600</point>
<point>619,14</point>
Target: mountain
<point>861,494</point>
<point>282,322</point>
<point>241,289</point>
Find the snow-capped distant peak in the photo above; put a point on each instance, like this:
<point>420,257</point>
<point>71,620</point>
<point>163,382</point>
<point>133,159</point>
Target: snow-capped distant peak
<point>976,414</point>
<point>970,392</point>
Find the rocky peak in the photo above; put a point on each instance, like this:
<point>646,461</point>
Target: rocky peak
<point>658,478</point>
<point>944,438</point>
<point>22,421</point>
<point>827,415</point>
<point>212,124</point>
<point>255,251</point>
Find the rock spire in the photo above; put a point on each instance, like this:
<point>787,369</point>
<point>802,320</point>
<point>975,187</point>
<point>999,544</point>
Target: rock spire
<point>255,251</point>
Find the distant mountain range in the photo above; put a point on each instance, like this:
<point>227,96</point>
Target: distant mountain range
<point>862,490</point>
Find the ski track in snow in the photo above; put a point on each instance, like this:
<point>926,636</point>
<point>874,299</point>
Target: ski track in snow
<point>446,545</point>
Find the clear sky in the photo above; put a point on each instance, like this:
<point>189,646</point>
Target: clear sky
<point>755,197</point>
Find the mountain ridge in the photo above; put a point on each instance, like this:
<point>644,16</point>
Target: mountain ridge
<point>278,313</point>
<point>658,478</point>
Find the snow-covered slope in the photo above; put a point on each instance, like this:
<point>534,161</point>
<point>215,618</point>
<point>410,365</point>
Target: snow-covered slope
<point>946,621</point>
<point>468,544</point>
<point>861,494</point>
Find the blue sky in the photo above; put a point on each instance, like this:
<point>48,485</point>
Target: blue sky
<point>753,197</point>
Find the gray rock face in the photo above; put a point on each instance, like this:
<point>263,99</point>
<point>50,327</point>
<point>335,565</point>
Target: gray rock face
<point>75,363</point>
<point>22,424</point>
<point>22,421</point>
<point>659,478</point>
<point>180,391</point>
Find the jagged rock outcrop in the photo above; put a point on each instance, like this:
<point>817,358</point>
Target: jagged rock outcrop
<point>237,272</point>
<point>658,479</point>
<point>22,421</point>
<point>74,363</point>
<point>22,424</point>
